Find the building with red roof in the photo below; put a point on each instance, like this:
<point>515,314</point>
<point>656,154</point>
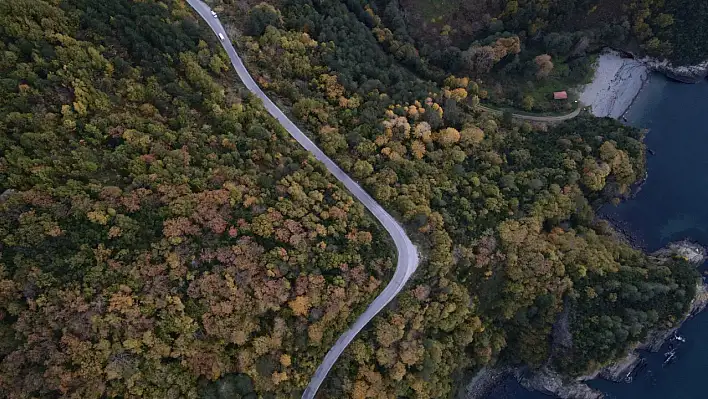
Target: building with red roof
<point>560,95</point>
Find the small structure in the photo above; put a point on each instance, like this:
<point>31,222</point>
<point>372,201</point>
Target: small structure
<point>560,95</point>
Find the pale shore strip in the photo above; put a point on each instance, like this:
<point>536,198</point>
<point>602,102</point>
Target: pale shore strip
<point>615,85</point>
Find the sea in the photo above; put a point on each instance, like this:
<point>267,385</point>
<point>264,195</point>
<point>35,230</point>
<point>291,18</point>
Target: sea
<point>671,205</point>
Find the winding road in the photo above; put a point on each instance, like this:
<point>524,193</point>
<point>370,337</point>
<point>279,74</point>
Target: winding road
<point>534,118</point>
<point>407,261</point>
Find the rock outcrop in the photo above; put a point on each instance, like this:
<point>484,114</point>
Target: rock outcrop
<point>483,382</point>
<point>619,371</point>
<point>6,194</point>
<point>686,249</point>
<point>550,382</point>
<point>685,74</point>
<point>561,337</point>
<point>700,301</point>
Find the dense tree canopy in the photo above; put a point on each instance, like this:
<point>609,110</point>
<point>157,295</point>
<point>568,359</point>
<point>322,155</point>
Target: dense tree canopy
<point>156,227</point>
<point>460,37</point>
<point>161,236</point>
<point>502,211</point>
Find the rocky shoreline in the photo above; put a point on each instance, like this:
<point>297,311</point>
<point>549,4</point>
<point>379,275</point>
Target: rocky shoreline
<point>684,74</point>
<point>552,383</point>
<point>620,77</point>
<point>623,370</point>
<point>484,381</point>
<point>622,231</point>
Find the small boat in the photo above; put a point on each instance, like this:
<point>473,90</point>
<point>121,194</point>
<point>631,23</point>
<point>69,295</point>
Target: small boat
<point>670,356</point>
<point>651,152</point>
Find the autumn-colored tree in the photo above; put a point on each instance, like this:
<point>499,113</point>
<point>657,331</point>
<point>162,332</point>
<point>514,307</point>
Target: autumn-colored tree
<point>448,136</point>
<point>544,66</point>
<point>471,135</point>
<point>162,236</point>
<point>178,202</point>
<point>505,46</point>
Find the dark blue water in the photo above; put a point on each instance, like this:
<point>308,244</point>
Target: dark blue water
<point>672,205</point>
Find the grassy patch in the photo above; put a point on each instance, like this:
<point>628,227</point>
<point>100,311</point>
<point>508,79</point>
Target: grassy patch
<point>514,90</point>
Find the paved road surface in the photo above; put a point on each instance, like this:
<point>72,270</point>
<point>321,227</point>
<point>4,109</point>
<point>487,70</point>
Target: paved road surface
<point>535,118</point>
<point>407,253</point>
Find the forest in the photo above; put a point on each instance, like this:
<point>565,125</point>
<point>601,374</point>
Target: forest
<point>523,51</point>
<point>503,211</point>
<point>162,237</point>
<point>158,230</point>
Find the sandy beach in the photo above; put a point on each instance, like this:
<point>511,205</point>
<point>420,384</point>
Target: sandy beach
<point>616,84</point>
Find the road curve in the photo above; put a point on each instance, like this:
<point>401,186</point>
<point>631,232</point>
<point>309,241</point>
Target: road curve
<point>534,118</point>
<point>407,260</point>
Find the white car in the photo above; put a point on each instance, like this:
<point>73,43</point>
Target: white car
<point>221,37</point>
<point>214,14</point>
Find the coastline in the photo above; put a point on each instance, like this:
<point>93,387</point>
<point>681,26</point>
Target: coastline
<point>551,382</point>
<point>616,84</point>
<point>483,382</point>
